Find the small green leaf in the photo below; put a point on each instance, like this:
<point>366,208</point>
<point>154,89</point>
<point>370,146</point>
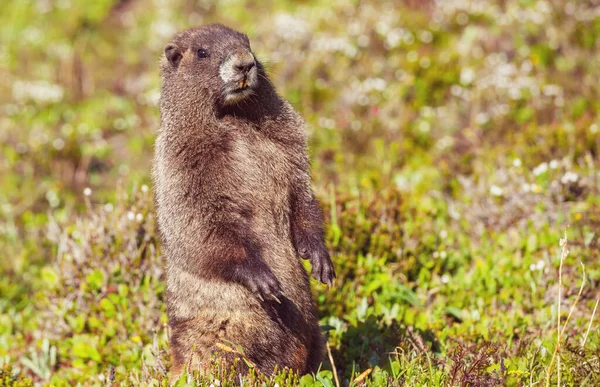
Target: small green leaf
<point>108,308</point>
<point>84,347</point>
<point>307,381</point>
<point>325,377</point>
<point>95,279</point>
<point>49,276</point>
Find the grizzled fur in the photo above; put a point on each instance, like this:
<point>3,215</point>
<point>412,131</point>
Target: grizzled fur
<point>235,210</point>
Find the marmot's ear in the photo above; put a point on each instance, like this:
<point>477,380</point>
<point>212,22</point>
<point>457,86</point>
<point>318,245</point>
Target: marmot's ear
<point>173,54</point>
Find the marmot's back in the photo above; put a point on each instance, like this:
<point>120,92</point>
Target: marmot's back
<point>235,209</point>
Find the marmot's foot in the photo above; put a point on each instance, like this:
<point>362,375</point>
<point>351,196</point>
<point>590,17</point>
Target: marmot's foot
<point>313,249</point>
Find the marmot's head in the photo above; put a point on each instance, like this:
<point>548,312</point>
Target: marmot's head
<point>212,63</point>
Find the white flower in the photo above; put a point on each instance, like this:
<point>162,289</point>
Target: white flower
<point>87,191</point>
<point>163,28</point>
<point>363,41</point>
<point>426,36</point>
<point>52,198</point>
<point>427,111</point>
<point>467,75</point>
<point>290,27</point>
<point>536,188</point>
<point>393,37</point>
<point>552,90</point>
<point>456,90</point>
<point>445,279</point>
<point>553,164</point>
<point>424,126</point>
<point>517,163</point>
<point>152,97</point>
<point>131,215</point>
<point>514,93</point>
<point>377,84</point>
<point>540,264</point>
<point>481,118</point>
<point>542,168</point>
<point>58,143</point>
<point>144,188</point>
<point>496,191</point>
<point>569,177</point>
<point>39,91</point>
<point>408,38</point>
<point>327,123</point>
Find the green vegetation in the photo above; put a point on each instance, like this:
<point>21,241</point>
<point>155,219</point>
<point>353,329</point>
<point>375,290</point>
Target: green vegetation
<point>453,143</point>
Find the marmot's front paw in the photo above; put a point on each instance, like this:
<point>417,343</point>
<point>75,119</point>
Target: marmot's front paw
<point>322,267</point>
<point>315,251</point>
<point>262,282</point>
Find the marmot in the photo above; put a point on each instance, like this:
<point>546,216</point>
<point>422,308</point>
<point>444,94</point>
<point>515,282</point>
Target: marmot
<point>235,209</point>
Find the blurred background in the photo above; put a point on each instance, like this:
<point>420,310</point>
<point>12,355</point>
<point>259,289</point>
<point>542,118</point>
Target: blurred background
<point>453,143</point>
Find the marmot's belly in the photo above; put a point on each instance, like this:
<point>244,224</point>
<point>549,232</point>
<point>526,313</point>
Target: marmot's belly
<point>189,295</point>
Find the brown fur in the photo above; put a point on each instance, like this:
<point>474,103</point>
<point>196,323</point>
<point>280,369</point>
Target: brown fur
<point>235,210</point>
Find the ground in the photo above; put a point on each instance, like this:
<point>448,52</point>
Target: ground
<point>455,151</point>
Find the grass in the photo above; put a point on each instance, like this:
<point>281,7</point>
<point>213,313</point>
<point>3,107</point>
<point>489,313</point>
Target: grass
<point>454,146</point>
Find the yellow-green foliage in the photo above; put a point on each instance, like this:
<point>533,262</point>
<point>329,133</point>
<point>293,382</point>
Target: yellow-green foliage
<point>452,143</point>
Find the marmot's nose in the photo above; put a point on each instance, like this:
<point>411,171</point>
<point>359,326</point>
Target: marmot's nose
<point>245,67</point>
<point>244,62</point>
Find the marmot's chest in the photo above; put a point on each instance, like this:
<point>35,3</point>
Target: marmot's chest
<point>263,166</point>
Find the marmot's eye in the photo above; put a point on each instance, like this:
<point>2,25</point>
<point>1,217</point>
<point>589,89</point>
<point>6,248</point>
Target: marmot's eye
<point>202,53</point>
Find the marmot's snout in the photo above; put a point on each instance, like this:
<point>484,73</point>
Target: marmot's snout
<point>243,61</point>
<point>239,74</point>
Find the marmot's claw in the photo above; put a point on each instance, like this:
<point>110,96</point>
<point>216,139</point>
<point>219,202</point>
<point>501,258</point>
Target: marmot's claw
<point>322,267</point>
<point>265,285</point>
<point>315,251</point>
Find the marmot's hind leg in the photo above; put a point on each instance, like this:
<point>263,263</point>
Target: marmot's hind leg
<point>316,352</point>
<point>191,343</point>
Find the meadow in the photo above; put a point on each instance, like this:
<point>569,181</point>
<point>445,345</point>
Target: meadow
<point>455,152</point>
